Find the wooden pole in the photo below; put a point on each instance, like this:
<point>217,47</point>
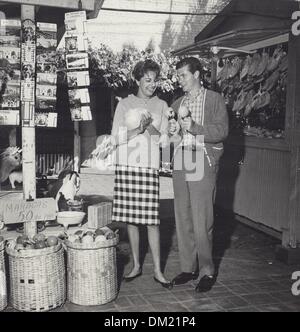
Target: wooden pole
<point>28,141</point>
<point>214,67</point>
<point>291,235</point>
<point>77,147</point>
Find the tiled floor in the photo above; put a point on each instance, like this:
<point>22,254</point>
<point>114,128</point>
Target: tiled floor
<point>249,277</point>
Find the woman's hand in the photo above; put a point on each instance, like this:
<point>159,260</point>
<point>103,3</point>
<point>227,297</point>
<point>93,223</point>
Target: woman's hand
<point>174,127</point>
<point>146,120</point>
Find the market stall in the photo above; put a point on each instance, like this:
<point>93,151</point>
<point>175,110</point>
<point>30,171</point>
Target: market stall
<point>36,261</point>
<point>28,53</point>
<point>255,65</point>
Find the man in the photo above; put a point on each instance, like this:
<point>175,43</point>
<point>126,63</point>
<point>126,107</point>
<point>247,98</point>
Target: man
<point>205,117</point>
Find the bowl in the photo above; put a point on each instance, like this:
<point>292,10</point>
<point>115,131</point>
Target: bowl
<point>67,218</point>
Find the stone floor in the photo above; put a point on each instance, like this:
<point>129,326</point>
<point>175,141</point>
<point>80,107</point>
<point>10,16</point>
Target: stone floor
<point>249,277</point>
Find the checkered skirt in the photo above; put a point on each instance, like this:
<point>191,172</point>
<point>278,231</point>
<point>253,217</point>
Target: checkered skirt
<point>136,195</point>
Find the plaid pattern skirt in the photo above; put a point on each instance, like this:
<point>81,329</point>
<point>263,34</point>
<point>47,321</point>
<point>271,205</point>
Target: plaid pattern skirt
<point>136,195</point>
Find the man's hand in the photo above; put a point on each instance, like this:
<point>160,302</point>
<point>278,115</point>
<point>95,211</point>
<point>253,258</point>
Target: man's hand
<point>186,123</point>
<point>174,127</point>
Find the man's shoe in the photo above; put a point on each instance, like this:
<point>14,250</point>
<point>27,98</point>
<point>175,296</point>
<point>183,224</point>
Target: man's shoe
<point>184,277</point>
<point>205,284</point>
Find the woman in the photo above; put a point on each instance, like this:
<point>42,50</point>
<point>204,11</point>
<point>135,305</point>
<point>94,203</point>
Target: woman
<point>138,126</point>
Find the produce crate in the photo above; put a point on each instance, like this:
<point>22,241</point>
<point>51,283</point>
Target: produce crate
<point>3,288</point>
<point>92,272</point>
<point>37,278</point>
<point>99,215</point>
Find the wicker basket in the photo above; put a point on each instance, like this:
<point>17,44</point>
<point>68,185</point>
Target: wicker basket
<point>3,288</point>
<point>37,278</point>
<point>92,272</point>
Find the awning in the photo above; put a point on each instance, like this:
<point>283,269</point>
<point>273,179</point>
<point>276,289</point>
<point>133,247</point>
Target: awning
<point>236,41</point>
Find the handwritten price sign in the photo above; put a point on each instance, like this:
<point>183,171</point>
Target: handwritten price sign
<point>20,211</point>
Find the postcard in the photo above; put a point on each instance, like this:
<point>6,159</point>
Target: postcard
<point>28,113</point>
<point>11,54</point>
<point>46,68</point>
<point>75,44</point>
<point>81,113</point>
<point>27,91</point>
<point>28,33</point>
<point>79,96</point>
<point>10,28</point>
<point>44,103</point>
<point>10,41</point>
<point>78,79</point>
<point>46,36</point>
<point>28,53</point>
<point>78,15</point>
<point>11,97</point>
<point>46,57</point>
<point>77,61</point>
<point>46,78</point>
<point>75,22</point>
<point>9,117</point>
<point>28,72</point>
<point>47,91</point>
<point>13,77</point>
<point>45,119</point>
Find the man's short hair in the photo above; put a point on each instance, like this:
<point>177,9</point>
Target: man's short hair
<point>192,63</point>
<point>143,67</point>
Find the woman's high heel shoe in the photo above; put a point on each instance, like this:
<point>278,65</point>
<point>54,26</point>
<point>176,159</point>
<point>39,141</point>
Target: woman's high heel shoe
<point>128,279</point>
<point>167,285</point>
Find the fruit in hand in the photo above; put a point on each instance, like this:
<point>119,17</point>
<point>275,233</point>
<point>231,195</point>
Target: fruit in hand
<point>184,112</point>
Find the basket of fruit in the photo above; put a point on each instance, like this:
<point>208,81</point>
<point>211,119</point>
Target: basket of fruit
<point>91,267</point>
<point>3,289</point>
<point>37,273</point>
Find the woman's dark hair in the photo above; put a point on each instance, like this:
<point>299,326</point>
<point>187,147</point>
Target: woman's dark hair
<point>143,67</point>
<point>193,65</point>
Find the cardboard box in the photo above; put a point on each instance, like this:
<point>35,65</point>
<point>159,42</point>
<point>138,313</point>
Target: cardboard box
<point>99,215</point>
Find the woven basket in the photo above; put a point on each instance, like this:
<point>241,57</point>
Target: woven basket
<point>37,278</point>
<point>3,288</point>
<point>92,272</point>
